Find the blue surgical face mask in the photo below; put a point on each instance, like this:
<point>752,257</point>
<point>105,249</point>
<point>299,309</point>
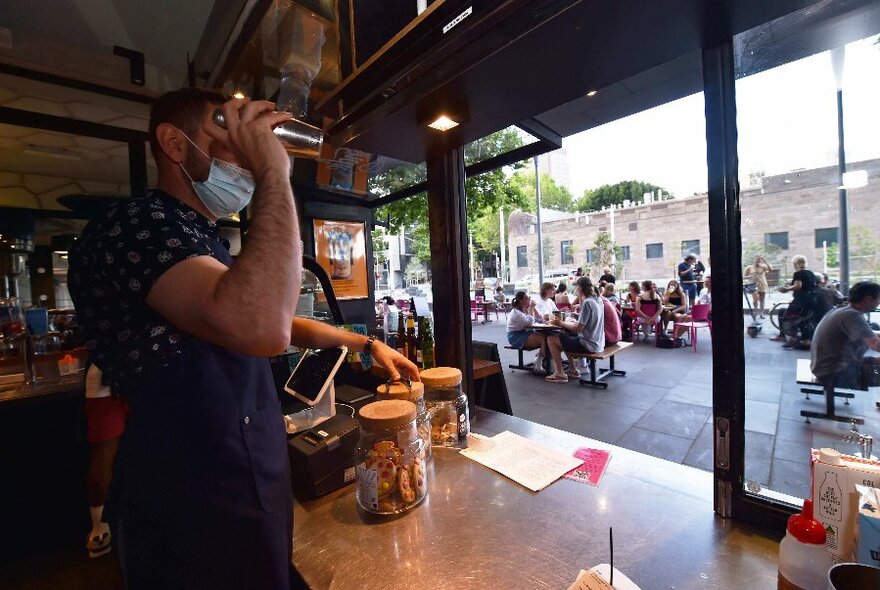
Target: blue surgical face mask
<point>228,188</point>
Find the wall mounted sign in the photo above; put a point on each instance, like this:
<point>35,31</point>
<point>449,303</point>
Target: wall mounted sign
<point>341,250</point>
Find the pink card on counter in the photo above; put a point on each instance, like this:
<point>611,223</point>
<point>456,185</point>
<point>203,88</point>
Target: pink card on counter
<point>595,462</point>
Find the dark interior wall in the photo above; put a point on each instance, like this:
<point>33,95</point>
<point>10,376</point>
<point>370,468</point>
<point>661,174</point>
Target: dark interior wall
<point>355,311</point>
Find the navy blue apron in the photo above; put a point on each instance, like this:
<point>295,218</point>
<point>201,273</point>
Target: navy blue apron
<point>201,495</point>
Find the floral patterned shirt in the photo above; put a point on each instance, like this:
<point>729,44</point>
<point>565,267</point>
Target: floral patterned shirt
<point>113,266</point>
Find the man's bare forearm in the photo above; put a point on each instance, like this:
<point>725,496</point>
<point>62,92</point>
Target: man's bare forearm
<point>260,290</point>
<point>307,333</point>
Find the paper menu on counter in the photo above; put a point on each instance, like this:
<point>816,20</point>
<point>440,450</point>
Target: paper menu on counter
<point>522,460</point>
<point>595,462</point>
<point>597,579</point>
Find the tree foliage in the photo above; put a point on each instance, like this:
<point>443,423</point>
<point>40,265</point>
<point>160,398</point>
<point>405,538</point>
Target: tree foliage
<point>553,196</point>
<point>486,193</point>
<point>616,194</point>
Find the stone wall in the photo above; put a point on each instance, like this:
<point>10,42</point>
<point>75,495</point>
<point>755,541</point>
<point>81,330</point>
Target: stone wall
<point>798,202</point>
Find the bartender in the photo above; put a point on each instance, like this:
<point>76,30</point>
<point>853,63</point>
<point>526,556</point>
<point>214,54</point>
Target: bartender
<point>201,493</point>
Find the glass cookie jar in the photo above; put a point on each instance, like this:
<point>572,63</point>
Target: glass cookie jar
<point>447,405</point>
<point>413,391</point>
<point>390,466</point>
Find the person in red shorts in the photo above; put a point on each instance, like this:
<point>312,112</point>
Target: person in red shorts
<point>105,421</point>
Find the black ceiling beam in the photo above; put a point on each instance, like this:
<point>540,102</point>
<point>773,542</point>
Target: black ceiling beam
<point>136,69</point>
<point>73,83</point>
<point>506,159</point>
<point>542,132</point>
<point>22,118</point>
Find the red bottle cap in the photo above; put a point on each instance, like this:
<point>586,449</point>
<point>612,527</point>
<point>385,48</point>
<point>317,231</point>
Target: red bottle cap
<point>804,528</point>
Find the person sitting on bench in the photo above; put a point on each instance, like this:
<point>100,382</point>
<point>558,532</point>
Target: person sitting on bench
<point>588,333</point>
<point>841,340</point>
<point>523,315</point>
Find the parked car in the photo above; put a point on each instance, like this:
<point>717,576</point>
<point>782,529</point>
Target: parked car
<point>530,283</point>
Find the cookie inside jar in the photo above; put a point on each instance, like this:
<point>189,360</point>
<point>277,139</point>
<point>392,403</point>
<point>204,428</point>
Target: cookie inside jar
<point>392,477</point>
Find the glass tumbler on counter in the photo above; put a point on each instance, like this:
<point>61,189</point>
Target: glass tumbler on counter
<point>447,405</point>
<point>392,477</point>
<point>414,392</point>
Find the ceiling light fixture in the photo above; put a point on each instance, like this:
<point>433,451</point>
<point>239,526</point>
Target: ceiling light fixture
<point>238,94</point>
<point>592,93</point>
<point>443,123</point>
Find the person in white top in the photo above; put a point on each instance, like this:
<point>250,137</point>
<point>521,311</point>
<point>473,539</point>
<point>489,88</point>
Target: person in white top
<point>546,305</point>
<point>519,335</point>
<point>706,293</point>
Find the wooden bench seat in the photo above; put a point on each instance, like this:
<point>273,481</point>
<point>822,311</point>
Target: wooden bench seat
<point>596,377</point>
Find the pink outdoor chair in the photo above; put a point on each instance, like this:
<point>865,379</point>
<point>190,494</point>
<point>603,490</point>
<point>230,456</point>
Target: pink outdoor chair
<point>699,319</point>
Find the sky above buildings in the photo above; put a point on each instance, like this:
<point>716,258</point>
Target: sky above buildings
<point>786,119</point>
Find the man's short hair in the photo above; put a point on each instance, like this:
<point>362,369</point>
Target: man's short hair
<point>690,257</point>
<point>182,108</point>
<point>863,289</point>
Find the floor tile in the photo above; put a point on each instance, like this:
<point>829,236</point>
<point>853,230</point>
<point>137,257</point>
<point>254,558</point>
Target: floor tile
<point>701,453</point>
<point>795,451</point>
<point>656,444</point>
<point>790,477</point>
<point>758,457</point>
<point>761,416</point>
<point>675,418</point>
<point>689,394</point>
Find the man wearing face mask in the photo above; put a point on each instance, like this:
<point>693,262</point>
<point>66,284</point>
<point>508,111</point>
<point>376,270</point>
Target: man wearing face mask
<point>201,490</point>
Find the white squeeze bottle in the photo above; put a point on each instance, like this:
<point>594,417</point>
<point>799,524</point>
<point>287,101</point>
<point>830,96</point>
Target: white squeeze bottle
<point>803,559</point>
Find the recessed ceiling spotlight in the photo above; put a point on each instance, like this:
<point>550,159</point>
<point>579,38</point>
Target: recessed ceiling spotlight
<point>592,93</point>
<point>443,123</point>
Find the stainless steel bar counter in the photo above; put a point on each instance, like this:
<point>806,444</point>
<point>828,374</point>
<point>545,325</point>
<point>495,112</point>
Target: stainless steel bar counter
<point>479,529</point>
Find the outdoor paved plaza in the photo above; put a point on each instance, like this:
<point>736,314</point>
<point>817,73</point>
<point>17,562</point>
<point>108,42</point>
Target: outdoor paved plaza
<point>663,407</point>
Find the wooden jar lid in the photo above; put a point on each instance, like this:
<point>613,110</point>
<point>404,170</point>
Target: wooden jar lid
<point>441,377</point>
<point>399,390</point>
<point>387,414</point>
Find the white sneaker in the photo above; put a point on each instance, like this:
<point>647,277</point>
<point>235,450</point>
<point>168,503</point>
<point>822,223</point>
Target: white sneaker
<point>538,365</point>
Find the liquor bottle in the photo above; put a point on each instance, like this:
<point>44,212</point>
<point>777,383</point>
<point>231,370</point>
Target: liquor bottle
<point>401,334</point>
<point>420,325</point>
<point>427,348</point>
<point>411,343</point>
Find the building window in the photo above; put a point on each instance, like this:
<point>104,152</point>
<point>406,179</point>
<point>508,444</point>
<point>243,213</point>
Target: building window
<point>624,252</point>
<point>592,255</point>
<point>778,239</point>
<point>522,256</point>
<point>828,235</point>
<point>633,226</point>
<point>566,255</point>
<point>690,247</point>
<point>654,251</point>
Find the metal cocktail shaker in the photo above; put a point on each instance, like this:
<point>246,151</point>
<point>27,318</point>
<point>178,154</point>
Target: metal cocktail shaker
<point>300,139</point>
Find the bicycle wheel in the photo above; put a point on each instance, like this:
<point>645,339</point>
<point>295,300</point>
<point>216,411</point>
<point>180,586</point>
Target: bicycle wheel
<point>776,314</point>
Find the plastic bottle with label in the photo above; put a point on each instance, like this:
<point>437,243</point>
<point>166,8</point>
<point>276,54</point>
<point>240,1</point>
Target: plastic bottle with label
<point>803,559</point>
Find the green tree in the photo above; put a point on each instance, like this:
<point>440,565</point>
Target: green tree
<point>616,194</point>
<point>606,250</point>
<point>553,196</point>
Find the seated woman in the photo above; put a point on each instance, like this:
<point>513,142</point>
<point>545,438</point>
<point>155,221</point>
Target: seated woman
<point>562,300</point>
<point>587,334</point>
<point>648,308</point>
<point>675,303</point>
<point>546,305</point>
<point>523,315</point>
<point>611,295</point>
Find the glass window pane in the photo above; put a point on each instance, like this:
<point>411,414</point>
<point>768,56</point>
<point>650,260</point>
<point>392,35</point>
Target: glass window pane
<point>793,76</point>
<point>522,256</point>
<point>690,247</point>
<point>654,251</point>
<point>494,144</point>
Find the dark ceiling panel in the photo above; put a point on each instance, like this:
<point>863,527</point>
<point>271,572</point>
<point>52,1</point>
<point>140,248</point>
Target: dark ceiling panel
<point>591,45</point>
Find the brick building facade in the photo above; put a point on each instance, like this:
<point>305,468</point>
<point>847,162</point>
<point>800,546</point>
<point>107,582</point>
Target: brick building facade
<point>796,212</point>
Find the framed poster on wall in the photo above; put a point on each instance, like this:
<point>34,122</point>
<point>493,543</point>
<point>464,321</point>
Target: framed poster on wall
<point>341,250</point>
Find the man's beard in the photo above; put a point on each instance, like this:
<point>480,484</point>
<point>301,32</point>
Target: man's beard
<point>196,164</point>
